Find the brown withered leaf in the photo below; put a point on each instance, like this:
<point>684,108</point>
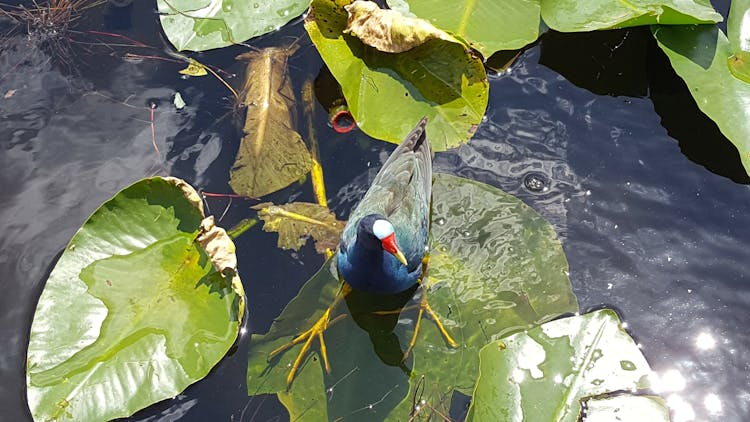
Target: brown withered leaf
<point>218,245</point>
<point>388,30</point>
<point>297,221</point>
<point>272,154</point>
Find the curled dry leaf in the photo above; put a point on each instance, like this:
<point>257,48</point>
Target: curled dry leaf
<point>190,193</point>
<point>297,221</point>
<point>220,249</point>
<point>218,245</point>
<point>388,30</point>
<point>272,154</point>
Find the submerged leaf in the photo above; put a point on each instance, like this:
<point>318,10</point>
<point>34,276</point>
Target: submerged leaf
<point>699,56</point>
<point>134,311</point>
<point>387,30</point>
<point>386,93</point>
<point>297,221</point>
<point>272,154</point>
<point>495,268</point>
<point>543,374</point>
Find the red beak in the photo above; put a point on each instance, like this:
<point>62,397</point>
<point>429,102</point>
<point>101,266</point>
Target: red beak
<point>390,245</point>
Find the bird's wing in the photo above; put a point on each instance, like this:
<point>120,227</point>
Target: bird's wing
<point>401,191</point>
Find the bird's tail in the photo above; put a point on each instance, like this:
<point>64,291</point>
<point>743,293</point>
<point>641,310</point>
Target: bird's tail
<point>416,141</point>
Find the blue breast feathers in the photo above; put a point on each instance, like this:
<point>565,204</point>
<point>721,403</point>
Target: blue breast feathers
<point>400,193</point>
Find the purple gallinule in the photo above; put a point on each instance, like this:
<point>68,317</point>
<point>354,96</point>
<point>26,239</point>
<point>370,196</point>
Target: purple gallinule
<point>383,246</point>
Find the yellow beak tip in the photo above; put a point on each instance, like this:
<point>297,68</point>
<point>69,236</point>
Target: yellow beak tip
<point>401,258</point>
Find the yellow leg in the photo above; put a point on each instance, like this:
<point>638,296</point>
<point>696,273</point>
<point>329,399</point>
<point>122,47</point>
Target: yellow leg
<point>424,305</point>
<point>315,331</point>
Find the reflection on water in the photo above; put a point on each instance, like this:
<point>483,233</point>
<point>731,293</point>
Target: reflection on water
<point>705,341</point>
<point>645,229</point>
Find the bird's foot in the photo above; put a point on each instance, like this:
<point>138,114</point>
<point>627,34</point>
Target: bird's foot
<point>316,331</point>
<point>424,306</point>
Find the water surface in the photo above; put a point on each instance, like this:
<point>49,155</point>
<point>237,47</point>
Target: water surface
<point>595,132</point>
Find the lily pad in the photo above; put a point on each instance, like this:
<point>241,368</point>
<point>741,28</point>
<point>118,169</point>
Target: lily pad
<point>487,26</point>
<point>699,56</point>
<point>738,32</point>
<point>626,408</point>
<point>387,93</point>
<point>297,221</point>
<point>543,374</point>
<point>496,267</point>
<point>143,302</point>
<point>199,25</point>
<point>591,15</point>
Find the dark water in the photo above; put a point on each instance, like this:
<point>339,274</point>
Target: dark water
<point>648,197</point>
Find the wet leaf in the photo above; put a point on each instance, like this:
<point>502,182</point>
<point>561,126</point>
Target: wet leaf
<point>591,15</point>
<point>495,268</point>
<point>179,103</point>
<point>387,30</point>
<point>738,33</point>
<point>699,56</point>
<point>487,26</point>
<point>437,79</point>
<point>543,374</point>
<point>308,402</point>
<point>134,311</point>
<point>272,154</point>
<point>626,408</point>
<point>194,68</point>
<point>297,221</point>
<point>199,25</point>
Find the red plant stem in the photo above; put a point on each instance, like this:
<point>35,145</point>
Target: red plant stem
<point>110,34</point>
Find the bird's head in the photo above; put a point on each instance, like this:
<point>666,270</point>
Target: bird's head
<point>376,231</point>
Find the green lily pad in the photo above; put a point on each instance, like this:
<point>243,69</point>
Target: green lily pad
<point>699,56</point>
<point>627,408</point>
<point>199,25</point>
<point>143,302</point>
<point>543,374</point>
<point>591,15</point>
<point>496,267</point>
<point>308,402</point>
<point>738,32</point>
<point>487,26</point>
<point>387,92</point>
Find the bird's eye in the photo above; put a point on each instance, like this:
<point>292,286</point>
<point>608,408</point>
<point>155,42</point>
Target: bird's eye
<point>382,229</point>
